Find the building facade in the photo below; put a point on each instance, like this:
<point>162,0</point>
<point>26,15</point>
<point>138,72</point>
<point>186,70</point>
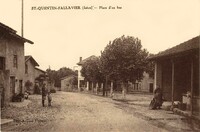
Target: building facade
<point>12,61</point>
<point>30,76</point>
<point>67,83</point>
<point>144,85</point>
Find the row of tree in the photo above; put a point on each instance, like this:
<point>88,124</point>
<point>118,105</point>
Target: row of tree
<point>122,60</point>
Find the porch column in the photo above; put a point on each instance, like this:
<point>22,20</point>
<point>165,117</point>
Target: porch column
<point>192,73</point>
<point>155,75</point>
<point>79,89</point>
<point>172,84</point>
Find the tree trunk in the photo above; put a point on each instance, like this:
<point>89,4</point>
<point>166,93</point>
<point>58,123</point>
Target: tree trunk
<point>105,87</point>
<point>92,87</point>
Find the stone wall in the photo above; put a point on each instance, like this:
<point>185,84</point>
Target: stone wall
<point>15,47</point>
<point>4,82</point>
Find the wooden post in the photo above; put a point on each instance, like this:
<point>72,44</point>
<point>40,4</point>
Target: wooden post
<point>155,75</point>
<point>79,85</point>
<point>172,84</point>
<point>192,73</point>
<point>22,28</point>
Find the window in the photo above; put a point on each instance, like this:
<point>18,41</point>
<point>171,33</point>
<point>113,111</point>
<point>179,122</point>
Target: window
<point>26,68</point>
<point>2,63</point>
<point>15,61</point>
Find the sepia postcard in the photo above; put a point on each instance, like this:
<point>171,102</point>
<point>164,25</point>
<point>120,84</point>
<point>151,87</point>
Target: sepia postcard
<point>99,65</point>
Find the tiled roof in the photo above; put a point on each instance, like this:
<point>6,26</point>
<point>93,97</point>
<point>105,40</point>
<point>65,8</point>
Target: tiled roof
<point>13,33</point>
<point>68,76</point>
<point>189,45</point>
<point>40,70</point>
<point>5,27</point>
<point>89,58</point>
<point>32,60</point>
<point>27,57</point>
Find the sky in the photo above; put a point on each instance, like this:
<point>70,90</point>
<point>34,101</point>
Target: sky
<point>62,36</point>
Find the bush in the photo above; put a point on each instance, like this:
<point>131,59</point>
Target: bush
<point>52,90</point>
<point>28,85</point>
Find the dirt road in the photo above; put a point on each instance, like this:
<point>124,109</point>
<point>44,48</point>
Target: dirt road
<point>74,112</point>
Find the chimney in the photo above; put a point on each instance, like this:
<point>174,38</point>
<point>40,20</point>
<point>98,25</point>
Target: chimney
<point>80,59</point>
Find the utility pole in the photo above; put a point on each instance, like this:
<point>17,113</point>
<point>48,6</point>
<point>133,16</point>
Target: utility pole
<point>22,26</point>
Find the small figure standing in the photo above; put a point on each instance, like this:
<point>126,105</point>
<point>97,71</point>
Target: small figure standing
<point>26,95</point>
<point>43,94</point>
<point>49,98</point>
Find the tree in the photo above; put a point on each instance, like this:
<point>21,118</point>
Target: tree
<point>91,70</point>
<point>150,67</point>
<point>28,85</point>
<point>124,60</point>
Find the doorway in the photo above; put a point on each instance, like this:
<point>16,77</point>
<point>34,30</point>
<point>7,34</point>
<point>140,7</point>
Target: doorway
<point>12,86</point>
<point>20,86</point>
<point>151,87</point>
<point>2,63</point>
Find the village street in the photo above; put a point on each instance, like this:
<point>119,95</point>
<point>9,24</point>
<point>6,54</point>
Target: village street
<point>86,112</point>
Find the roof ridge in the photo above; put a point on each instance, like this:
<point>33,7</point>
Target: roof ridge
<point>7,27</point>
<point>184,46</point>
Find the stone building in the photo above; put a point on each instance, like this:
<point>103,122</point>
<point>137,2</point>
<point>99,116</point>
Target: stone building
<point>12,62</point>
<point>31,73</point>
<point>30,76</point>
<point>144,85</point>
<point>67,83</point>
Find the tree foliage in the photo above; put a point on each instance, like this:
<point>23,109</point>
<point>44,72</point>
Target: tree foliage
<point>91,70</point>
<point>124,59</point>
<point>150,67</point>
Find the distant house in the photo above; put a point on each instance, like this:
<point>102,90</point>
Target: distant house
<point>12,62</point>
<point>145,85</point>
<point>177,73</point>
<point>81,82</point>
<point>30,65</point>
<point>67,83</point>
<point>31,73</point>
